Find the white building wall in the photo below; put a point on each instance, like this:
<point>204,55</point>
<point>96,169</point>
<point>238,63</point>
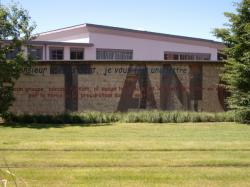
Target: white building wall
<point>143,49</point>
<point>80,38</point>
<point>76,35</point>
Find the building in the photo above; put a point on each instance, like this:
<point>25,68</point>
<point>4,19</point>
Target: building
<point>96,42</point>
<point>100,68</point>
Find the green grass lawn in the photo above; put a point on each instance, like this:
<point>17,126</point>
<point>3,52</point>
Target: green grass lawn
<point>201,154</point>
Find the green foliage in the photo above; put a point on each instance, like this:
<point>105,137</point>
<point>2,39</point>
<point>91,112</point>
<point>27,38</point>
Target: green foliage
<point>243,116</point>
<point>130,117</point>
<point>15,30</point>
<point>176,117</point>
<point>236,37</point>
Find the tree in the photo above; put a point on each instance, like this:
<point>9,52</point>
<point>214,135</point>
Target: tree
<point>15,30</point>
<point>236,37</point>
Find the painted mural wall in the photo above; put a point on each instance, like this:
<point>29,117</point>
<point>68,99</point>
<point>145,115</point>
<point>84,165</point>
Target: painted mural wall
<point>50,88</point>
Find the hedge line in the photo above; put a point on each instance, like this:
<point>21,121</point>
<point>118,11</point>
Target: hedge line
<point>129,117</point>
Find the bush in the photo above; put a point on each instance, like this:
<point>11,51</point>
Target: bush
<point>129,117</point>
<point>243,116</point>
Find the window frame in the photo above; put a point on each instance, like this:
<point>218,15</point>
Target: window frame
<point>12,54</point>
<point>29,48</point>
<point>56,48</point>
<point>77,49</point>
<point>114,54</point>
<point>186,56</point>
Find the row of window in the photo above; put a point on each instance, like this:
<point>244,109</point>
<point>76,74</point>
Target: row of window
<point>186,56</point>
<point>57,53</point>
<point>78,54</point>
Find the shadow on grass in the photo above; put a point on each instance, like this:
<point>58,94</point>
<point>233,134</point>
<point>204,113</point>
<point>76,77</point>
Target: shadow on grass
<point>46,125</point>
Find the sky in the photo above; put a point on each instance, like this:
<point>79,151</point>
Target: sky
<point>194,18</point>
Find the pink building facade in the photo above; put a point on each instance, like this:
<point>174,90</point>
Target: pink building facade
<point>111,43</point>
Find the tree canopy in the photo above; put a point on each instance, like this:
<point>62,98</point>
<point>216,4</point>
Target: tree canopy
<point>15,29</point>
<point>236,37</point>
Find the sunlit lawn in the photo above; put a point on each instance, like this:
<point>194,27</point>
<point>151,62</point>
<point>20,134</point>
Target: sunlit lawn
<point>201,154</point>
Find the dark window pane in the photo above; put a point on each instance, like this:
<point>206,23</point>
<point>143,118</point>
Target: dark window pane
<point>166,56</point>
<point>114,54</point>
<point>35,52</point>
<point>56,53</point>
<point>186,56</point>
<point>76,54</point>
<point>176,57</point>
<point>12,54</point>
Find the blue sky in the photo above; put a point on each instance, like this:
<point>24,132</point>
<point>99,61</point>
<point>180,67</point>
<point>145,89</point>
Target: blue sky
<point>194,18</point>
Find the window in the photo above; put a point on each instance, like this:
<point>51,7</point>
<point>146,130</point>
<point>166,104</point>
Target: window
<point>56,53</point>
<point>12,53</point>
<point>114,54</point>
<point>76,54</point>
<point>175,56</point>
<point>36,52</point>
<point>186,56</point>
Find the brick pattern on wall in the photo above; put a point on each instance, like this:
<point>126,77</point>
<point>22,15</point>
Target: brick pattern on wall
<point>121,86</point>
<point>39,92</point>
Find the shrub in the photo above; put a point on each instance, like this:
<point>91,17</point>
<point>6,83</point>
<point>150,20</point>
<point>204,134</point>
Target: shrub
<point>129,117</point>
<point>243,116</point>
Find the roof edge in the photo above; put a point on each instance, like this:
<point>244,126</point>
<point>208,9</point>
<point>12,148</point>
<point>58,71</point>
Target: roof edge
<point>40,42</point>
<point>151,33</point>
<point>129,30</point>
<point>61,29</point>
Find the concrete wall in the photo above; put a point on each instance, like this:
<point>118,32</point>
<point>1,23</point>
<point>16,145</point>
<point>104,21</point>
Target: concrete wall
<point>118,86</point>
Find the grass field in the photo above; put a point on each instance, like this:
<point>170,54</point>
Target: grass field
<point>201,154</point>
